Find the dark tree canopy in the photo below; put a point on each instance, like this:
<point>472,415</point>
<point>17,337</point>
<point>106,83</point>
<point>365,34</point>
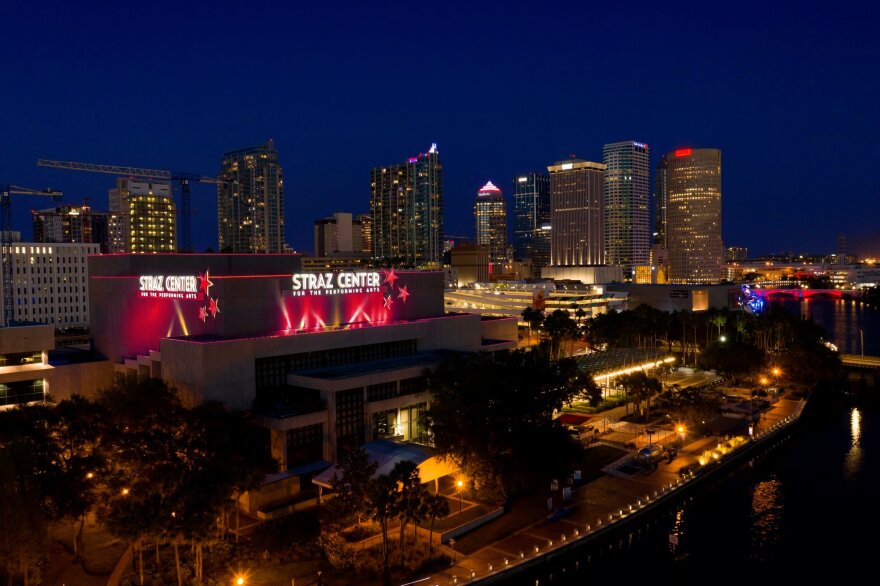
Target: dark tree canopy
<point>492,413</point>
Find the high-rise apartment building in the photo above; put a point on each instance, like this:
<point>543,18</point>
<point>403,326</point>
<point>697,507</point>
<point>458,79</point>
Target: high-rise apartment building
<point>338,233</point>
<point>531,219</point>
<point>250,201</point>
<point>50,283</point>
<point>71,224</point>
<point>406,205</point>
<point>660,192</point>
<point>627,205</point>
<point>490,226</point>
<point>736,254</point>
<point>693,215</point>
<point>577,213</point>
<point>142,217</point>
<point>364,224</point>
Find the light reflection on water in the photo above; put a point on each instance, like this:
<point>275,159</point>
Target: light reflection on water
<point>849,323</point>
<point>767,512</point>
<point>854,456</point>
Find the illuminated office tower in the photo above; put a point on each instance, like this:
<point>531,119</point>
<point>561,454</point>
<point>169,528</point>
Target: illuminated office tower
<point>250,201</point>
<point>406,206</point>
<point>627,205</point>
<point>490,226</point>
<point>364,223</point>
<point>142,217</point>
<point>531,219</point>
<point>577,213</point>
<point>693,215</point>
<point>660,193</point>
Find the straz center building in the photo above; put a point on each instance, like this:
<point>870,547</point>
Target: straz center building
<point>328,361</point>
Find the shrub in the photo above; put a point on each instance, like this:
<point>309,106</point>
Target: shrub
<point>339,555</point>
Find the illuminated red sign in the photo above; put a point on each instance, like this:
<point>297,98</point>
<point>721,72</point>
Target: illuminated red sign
<point>684,152</point>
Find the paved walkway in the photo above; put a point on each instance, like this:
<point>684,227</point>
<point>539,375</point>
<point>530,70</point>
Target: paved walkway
<point>593,504</point>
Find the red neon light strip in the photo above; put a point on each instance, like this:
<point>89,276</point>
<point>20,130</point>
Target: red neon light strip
<point>684,152</point>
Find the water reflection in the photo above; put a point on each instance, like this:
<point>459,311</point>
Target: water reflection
<point>676,534</point>
<point>854,455</point>
<point>848,322</point>
<point>767,508</point>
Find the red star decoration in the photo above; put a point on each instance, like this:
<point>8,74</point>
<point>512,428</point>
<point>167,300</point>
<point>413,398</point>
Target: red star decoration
<point>388,302</point>
<point>203,314</point>
<point>204,282</point>
<point>214,307</point>
<point>390,277</point>
<point>403,293</point>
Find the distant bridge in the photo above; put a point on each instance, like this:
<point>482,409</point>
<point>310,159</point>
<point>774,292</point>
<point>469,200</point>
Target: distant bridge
<point>858,361</point>
<point>799,293</point>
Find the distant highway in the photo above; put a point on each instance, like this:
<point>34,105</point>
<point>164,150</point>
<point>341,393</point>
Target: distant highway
<point>860,361</point>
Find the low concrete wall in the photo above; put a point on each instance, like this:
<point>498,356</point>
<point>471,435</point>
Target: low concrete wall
<point>462,529</point>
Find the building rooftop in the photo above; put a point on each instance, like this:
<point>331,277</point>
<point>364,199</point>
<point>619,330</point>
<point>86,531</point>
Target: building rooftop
<point>423,359</point>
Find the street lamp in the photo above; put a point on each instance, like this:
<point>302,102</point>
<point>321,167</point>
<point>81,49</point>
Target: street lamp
<point>680,437</point>
<point>776,371</point>
<point>460,485</point>
<point>239,580</point>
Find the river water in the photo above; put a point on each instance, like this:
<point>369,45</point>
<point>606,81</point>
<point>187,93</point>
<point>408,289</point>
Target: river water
<point>807,505</point>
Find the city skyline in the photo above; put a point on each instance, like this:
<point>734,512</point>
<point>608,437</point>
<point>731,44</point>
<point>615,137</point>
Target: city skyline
<point>790,79</point>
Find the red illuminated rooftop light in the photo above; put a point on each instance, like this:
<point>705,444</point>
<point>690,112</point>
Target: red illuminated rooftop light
<point>684,152</point>
<point>490,187</point>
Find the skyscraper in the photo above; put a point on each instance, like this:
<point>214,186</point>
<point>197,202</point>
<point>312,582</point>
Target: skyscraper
<point>337,233</point>
<point>490,226</point>
<point>364,223</point>
<point>406,205</point>
<point>250,201</point>
<point>627,205</point>
<point>693,215</point>
<point>142,217</point>
<point>63,224</point>
<point>531,218</point>
<point>577,213</point>
<point>660,192</point>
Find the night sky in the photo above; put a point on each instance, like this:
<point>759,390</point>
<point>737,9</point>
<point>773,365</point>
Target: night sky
<point>789,92</point>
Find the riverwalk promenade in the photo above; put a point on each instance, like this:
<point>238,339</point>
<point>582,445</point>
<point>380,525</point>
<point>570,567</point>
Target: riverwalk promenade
<point>597,506</point>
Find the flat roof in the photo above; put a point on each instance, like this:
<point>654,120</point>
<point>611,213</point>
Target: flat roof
<point>353,370</point>
<point>615,359</point>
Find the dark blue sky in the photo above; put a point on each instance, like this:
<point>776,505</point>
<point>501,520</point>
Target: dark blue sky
<point>789,91</point>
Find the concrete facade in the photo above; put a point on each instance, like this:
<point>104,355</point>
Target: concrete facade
<point>326,360</point>
<point>679,297</point>
<point>24,363</point>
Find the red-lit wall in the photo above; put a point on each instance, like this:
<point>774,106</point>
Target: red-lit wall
<point>252,294</point>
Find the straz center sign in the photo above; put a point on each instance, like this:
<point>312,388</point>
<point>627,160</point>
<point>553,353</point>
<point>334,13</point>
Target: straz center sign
<point>321,284</point>
<point>169,287</point>
<point>185,287</point>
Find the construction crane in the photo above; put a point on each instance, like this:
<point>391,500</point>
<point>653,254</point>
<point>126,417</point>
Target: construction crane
<point>183,179</point>
<point>6,193</point>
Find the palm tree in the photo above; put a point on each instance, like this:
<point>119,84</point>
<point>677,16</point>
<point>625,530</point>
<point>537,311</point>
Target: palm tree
<point>436,506</point>
<point>533,317</point>
<point>383,496</point>
<point>410,494</point>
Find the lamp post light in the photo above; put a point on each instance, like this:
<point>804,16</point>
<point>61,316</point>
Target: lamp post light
<point>460,484</point>
<point>680,437</point>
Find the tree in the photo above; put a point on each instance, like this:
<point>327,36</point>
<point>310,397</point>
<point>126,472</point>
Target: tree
<point>356,474</point>
<point>436,506</point>
<point>493,415</point>
<point>383,497</point>
<point>534,317</point>
<point>641,387</point>
<point>560,328</point>
<point>582,385</point>
<point>408,504</point>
